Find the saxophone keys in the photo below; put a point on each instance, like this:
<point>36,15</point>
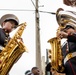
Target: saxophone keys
<point>49,53</point>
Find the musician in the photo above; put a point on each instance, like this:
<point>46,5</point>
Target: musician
<point>69,49</point>
<point>35,71</point>
<point>8,22</point>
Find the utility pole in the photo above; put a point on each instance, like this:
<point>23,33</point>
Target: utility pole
<point>38,48</point>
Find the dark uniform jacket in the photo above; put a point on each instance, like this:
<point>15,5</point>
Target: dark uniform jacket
<point>70,65</point>
<point>4,37</point>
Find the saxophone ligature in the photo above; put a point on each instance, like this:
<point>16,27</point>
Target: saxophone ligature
<point>12,51</point>
<point>63,18</point>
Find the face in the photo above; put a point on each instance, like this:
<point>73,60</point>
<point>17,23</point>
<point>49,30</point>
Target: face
<point>70,31</point>
<point>9,25</point>
<point>36,71</point>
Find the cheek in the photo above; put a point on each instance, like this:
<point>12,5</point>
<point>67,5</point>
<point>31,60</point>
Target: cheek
<point>70,31</point>
<point>8,24</point>
<point>9,28</point>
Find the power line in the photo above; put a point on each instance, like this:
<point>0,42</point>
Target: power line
<point>43,11</point>
<point>16,10</point>
<point>33,4</point>
<point>53,13</point>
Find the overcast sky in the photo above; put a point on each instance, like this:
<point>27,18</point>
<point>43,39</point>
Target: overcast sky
<point>48,26</point>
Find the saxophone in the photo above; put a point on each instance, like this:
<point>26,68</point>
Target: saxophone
<point>12,51</point>
<point>63,18</point>
<point>56,53</point>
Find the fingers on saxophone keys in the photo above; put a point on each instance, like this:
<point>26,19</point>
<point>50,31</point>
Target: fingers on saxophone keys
<point>61,36</point>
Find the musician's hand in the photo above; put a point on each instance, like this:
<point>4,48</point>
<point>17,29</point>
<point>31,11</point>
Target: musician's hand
<point>62,34</point>
<point>20,39</point>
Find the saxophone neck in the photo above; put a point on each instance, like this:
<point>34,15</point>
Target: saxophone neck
<point>21,24</point>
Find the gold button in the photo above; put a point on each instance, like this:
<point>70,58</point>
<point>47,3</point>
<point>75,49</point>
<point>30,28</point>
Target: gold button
<point>69,56</point>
